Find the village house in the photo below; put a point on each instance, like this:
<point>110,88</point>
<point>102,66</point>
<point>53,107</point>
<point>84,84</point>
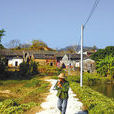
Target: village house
<point>73,61</point>
<point>69,60</point>
<point>65,60</point>
<point>88,53</point>
<point>89,65</point>
<point>45,59</point>
<point>16,57</point>
<point>15,62</point>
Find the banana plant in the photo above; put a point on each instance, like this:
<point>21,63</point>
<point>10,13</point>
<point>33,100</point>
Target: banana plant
<point>106,66</point>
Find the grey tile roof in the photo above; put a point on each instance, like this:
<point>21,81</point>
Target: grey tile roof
<point>43,56</point>
<point>38,54</point>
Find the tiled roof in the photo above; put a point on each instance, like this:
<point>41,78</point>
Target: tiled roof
<point>38,54</point>
<point>6,52</point>
<point>43,56</point>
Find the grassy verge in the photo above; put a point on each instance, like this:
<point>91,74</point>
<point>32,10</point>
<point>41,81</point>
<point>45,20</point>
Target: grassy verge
<point>90,79</point>
<point>95,102</point>
<point>18,96</point>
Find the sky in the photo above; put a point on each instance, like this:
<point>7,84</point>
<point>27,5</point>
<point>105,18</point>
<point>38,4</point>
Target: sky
<point>57,22</point>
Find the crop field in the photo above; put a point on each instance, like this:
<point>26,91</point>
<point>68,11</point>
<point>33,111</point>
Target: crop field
<point>22,95</point>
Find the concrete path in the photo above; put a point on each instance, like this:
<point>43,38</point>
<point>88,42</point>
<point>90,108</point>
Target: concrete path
<point>50,106</point>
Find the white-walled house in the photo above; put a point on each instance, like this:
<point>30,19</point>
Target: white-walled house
<point>89,65</point>
<point>69,61</point>
<point>15,61</point>
<point>77,64</point>
<point>64,60</point>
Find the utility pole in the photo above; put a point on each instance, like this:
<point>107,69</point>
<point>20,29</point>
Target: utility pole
<point>81,68</point>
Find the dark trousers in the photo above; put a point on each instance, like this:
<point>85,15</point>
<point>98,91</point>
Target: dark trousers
<point>62,105</point>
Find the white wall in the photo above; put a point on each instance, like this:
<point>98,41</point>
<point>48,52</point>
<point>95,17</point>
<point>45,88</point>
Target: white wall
<point>13,61</point>
<point>77,64</point>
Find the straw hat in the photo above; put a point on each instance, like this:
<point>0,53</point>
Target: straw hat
<point>62,75</point>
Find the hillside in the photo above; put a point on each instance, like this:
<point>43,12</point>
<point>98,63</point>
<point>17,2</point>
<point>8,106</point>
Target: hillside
<point>76,48</point>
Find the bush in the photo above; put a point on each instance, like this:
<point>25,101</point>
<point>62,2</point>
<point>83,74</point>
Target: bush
<point>90,79</point>
<point>10,106</point>
<point>2,64</point>
<point>95,102</point>
<point>49,70</point>
<point>28,68</point>
<point>2,67</point>
<point>26,94</point>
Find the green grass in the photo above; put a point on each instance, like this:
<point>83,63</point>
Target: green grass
<point>24,94</point>
<point>95,102</point>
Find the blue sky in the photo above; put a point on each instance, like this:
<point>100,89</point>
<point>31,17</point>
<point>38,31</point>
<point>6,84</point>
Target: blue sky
<point>57,22</point>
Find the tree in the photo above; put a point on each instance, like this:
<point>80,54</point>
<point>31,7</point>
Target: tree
<point>71,50</point>
<point>2,67</point>
<point>1,34</point>
<point>106,66</point>
<point>36,44</point>
<point>1,46</point>
<point>102,53</point>
<point>14,44</point>
<point>25,46</point>
<point>109,50</point>
<point>94,47</point>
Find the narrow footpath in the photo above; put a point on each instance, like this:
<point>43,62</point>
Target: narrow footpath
<point>50,106</point>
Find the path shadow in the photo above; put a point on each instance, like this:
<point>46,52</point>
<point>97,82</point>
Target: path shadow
<point>82,112</point>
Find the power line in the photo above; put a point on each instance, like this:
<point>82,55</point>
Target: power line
<point>88,18</point>
<point>92,11</point>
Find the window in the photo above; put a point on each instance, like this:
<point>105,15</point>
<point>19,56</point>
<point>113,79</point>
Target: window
<point>51,64</point>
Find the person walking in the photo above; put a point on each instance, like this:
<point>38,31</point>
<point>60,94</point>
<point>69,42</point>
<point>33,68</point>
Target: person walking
<point>62,87</point>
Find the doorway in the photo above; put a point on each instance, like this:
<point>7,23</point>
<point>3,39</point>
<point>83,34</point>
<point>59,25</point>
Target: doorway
<point>16,63</point>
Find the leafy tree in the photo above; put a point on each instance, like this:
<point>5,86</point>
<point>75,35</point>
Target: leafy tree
<point>102,53</point>
<point>1,34</point>
<point>71,50</point>
<point>106,66</point>
<point>38,44</point>
<point>1,46</point>
<point>2,67</point>
<point>94,47</point>
<point>109,50</point>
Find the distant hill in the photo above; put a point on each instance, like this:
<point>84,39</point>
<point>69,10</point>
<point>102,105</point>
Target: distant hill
<point>77,48</point>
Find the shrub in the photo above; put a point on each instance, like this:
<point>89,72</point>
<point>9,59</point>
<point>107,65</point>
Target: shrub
<point>2,67</point>
<point>10,106</point>
<point>28,68</point>
<point>49,70</point>
<point>90,79</point>
<point>95,102</point>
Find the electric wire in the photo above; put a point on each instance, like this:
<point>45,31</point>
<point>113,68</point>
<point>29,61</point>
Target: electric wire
<point>92,11</point>
<point>87,20</point>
